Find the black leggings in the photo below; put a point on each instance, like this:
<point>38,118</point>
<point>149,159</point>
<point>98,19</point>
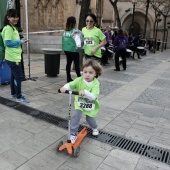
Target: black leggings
<point>135,51</point>
<point>72,56</point>
<point>92,57</point>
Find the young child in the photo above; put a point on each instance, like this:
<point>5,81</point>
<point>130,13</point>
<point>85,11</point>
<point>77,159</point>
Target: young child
<point>87,101</point>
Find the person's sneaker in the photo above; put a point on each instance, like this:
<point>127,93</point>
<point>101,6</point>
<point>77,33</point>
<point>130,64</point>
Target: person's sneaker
<point>22,99</point>
<point>95,132</point>
<point>13,96</point>
<point>73,138</point>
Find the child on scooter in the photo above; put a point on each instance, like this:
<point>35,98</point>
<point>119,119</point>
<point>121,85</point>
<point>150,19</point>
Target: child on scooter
<point>87,101</point>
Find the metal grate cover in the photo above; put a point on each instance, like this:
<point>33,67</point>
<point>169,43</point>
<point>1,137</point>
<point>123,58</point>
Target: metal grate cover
<point>156,153</point>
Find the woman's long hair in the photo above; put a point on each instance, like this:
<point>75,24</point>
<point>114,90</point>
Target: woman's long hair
<point>10,13</point>
<point>70,24</point>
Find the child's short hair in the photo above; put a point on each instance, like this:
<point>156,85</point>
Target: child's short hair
<point>95,65</point>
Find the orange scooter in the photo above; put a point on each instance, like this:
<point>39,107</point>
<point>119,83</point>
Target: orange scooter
<point>72,149</point>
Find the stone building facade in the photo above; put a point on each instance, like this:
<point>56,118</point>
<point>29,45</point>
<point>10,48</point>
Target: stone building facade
<point>48,15</point>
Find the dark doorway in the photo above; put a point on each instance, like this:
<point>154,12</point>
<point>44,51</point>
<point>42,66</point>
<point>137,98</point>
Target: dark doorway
<point>136,29</point>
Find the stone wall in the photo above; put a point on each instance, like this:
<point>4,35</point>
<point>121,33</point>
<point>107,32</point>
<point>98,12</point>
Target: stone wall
<point>43,41</point>
<point>47,15</point>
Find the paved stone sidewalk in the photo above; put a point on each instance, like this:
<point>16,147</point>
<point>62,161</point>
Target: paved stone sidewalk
<point>135,104</point>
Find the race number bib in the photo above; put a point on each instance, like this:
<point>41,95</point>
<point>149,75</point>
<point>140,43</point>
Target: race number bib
<point>89,41</point>
<point>86,104</point>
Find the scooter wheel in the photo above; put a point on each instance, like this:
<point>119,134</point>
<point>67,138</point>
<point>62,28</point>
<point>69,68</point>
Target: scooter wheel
<point>76,151</point>
<point>59,144</point>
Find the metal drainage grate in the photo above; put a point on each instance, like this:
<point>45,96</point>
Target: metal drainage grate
<point>156,153</point>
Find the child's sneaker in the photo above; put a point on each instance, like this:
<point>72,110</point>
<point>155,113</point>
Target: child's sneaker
<point>73,138</point>
<point>95,132</point>
<point>22,99</point>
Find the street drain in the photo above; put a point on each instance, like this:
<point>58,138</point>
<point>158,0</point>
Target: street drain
<point>155,153</point>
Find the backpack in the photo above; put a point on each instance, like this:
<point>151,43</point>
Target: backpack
<point>2,48</point>
<point>122,44</point>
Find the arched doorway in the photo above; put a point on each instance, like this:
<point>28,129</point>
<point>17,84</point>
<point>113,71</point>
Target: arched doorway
<point>136,28</point>
<point>139,22</point>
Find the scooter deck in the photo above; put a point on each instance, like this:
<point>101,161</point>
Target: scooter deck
<point>70,146</point>
<point>80,137</point>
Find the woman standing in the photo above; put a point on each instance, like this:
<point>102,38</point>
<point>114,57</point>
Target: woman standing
<point>13,52</point>
<point>69,47</point>
<point>94,38</point>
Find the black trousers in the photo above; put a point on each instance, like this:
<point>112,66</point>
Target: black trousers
<point>72,56</point>
<point>105,55</point>
<point>92,57</point>
<point>135,51</point>
<point>123,55</point>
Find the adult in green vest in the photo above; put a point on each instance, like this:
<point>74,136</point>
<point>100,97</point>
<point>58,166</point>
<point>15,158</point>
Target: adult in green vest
<point>69,47</point>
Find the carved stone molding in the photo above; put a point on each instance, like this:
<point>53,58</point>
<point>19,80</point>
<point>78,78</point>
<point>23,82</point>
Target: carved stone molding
<point>54,3</point>
<point>36,3</point>
<point>45,3</point>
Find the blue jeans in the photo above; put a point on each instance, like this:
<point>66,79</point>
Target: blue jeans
<point>16,74</point>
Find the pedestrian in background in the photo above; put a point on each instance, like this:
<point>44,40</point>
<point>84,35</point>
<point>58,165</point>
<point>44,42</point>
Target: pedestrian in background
<point>13,53</point>
<point>136,42</point>
<point>70,49</point>
<point>158,43</point>
<point>120,44</point>
<point>105,56</point>
<point>94,38</point>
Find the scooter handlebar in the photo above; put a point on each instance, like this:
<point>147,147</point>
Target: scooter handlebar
<point>67,91</point>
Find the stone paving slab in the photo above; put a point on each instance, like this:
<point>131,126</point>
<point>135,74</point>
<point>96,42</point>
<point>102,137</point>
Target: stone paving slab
<point>134,104</point>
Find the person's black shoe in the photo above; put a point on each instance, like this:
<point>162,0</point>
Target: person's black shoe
<point>103,64</point>
<point>107,62</point>
<point>116,69</point>
<point>139,57</point>
<point>124,69</point>
<point>69,80</point>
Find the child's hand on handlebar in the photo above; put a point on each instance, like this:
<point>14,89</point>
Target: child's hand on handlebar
<point>81,93</point>
<point>63,89</point>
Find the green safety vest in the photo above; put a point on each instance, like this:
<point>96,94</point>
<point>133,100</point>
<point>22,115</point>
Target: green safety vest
<point>68,43</point>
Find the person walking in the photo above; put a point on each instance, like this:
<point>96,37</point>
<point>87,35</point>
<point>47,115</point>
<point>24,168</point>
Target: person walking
<point>69,47</point>
<point>94,38</point>
<point>86,102</point>
<point>13,53</point>
<point>120,44</point>
<point>158,43</point>
<point>136,42</point>
<point>105,56</point>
